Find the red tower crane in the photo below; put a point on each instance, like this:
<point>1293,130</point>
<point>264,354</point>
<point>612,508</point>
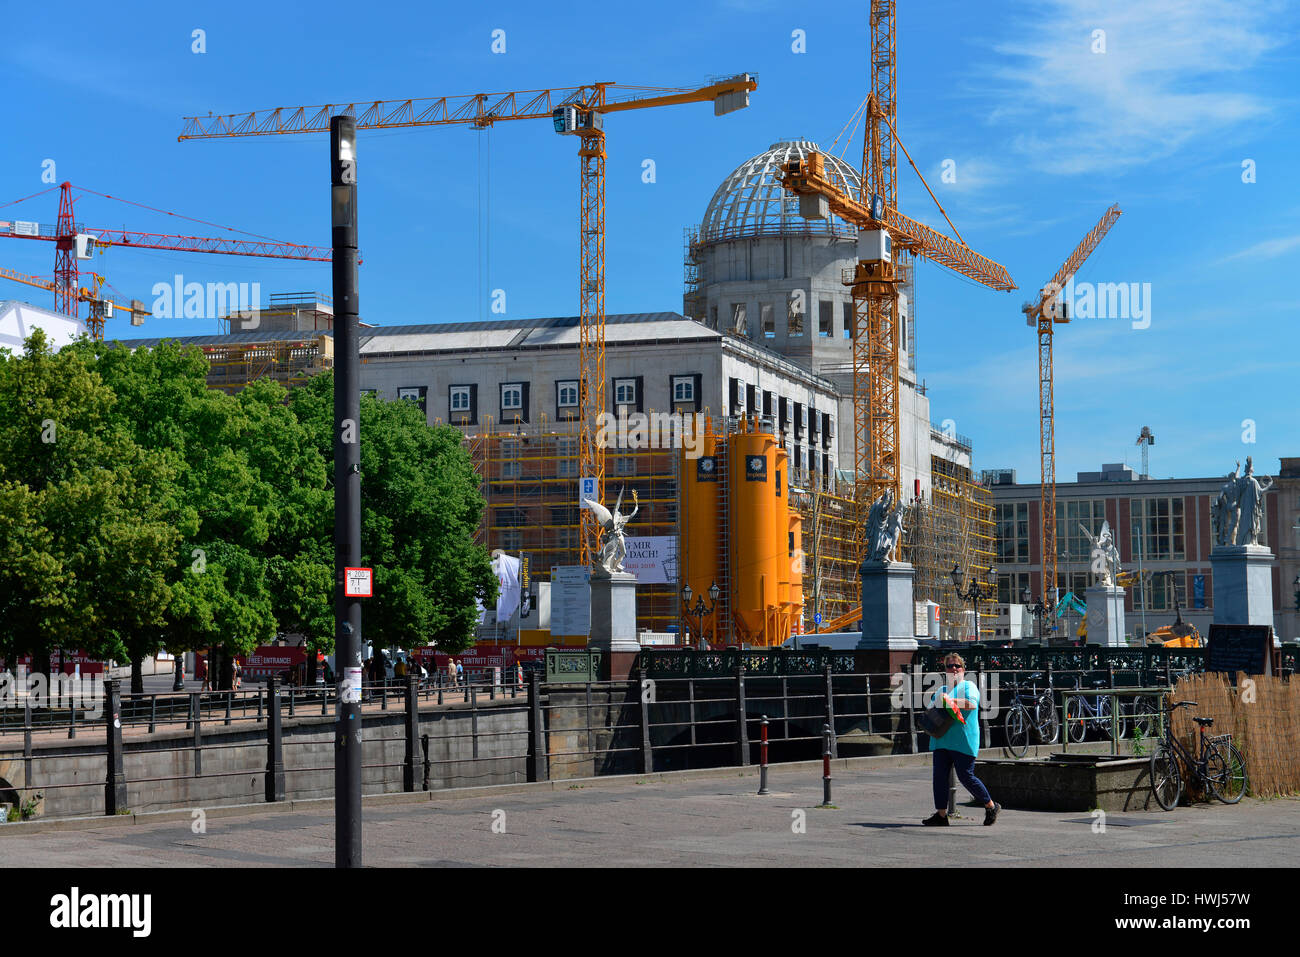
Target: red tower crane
<point>74,242</point>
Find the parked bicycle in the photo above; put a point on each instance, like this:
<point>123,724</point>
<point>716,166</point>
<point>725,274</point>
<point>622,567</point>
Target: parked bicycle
<point>1093,712</point>
<point>1217,768</point>
<point>1032,713</point>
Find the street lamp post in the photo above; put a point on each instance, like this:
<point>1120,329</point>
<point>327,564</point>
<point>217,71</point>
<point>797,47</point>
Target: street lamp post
<point>1038,609</point>
<point>973,593</point>
<point>699,612</point>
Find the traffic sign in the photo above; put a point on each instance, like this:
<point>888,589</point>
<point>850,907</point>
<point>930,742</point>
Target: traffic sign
<point>588,489</point>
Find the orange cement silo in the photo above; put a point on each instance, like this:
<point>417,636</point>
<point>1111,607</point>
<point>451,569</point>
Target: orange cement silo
<point>702,529</point>
<point>755,556</point>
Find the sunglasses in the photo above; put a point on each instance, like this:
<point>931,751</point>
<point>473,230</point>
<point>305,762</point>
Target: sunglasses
<point>952,667</point>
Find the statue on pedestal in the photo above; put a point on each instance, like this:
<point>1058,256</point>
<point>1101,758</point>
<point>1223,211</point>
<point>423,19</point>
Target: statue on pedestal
<point>613,549</point>
<point>1250,497</point>
<point>1105,556</point>
<point>884,528</point>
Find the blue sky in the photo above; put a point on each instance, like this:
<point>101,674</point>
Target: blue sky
<point>1043,134</point>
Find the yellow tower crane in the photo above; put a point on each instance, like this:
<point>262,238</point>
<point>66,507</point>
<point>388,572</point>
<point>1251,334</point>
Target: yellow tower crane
<point>886,239</point>
<point>1043,315</point>
<point>577,111</point>
<point>101,307</point>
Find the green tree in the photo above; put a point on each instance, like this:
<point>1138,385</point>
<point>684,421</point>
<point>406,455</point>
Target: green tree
<point>88,531</point>
<point>420,509</point>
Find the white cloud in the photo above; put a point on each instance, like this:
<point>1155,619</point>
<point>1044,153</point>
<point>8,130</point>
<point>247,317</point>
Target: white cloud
<point>1166,77</point>
<point>1268,249</point>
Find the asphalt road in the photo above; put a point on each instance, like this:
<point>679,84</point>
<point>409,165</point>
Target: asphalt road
<point>716,821</point>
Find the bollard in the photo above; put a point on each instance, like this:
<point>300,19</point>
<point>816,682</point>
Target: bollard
<point>115,783</point>
<point>762,756</point>
<point>412,733</point>
<point>826,765</point>
<point>274,743</point>
<point>153,712</point>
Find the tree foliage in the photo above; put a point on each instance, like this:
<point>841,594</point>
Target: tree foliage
<point>140,509</point>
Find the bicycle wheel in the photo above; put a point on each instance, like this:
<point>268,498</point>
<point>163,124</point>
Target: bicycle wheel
<point>1076,725</point>
<point>1050,730</point>
<point>1113,726</point>
<point>1166,781</point>
<point>1143,715</point>
<point>1225,773</point>
<point>1017,731</point>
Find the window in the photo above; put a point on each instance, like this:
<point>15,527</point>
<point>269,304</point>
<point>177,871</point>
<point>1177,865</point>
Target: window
<point>625,391</point>
<point>739,323</point>
<point>848,320</point>
<point>1071,544</point>
<point>625,465</point>
<point>1157,528</point>
<point>1013,532</point>
<point>566,464</point>
<point>414,394</point>
<point>512,396</point>
<point>510,539</point>
<point>713,317</point>
<point>509,455</point>
<point>1157,593</point>
<point>769,320</point>
<point>825,318</point>
<point>566,394</point>
<point>462,404</point>
<point>794,313</point>
<point>683,388</point>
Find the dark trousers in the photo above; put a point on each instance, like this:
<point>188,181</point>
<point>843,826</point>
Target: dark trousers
<point>965,765</point>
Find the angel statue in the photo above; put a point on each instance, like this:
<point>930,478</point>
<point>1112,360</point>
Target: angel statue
<point>1251,502</point>
<point>1105,556</point>
<point>612,547</point>
<point>884,528</point>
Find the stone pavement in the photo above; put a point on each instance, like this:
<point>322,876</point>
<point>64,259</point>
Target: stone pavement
<point>688,819</point>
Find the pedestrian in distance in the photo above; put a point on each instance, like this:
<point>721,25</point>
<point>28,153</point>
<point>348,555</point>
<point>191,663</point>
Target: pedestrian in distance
<point>460,672</point>
<point>958,746</point>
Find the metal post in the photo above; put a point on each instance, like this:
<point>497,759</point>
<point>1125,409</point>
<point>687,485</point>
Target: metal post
<point>643,715</point>
<point>259,705</point>
<point>27,743</point>
<point>347,489</point>
<point>412,733</point>
<point>952,791</point>
<point>115,784</point>
<point>274,743</point>
<point>830,710</point>
<point>229,697</point>
<point>72,720</point>
<point>538,765</point>
<point>762,757</point>
<point>826,765</point>
<point>424,745</point>
<point>196,711</point>
<point>473,719</point>
<point>153,712</point>
<point>911,708</point>
<point>742,728</point>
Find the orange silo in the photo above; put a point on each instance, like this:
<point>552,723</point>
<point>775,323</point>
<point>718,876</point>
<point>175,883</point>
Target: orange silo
<point>702,529</point>
<point>754,553</point>
<point>795,615</point>
<point>778,631</point>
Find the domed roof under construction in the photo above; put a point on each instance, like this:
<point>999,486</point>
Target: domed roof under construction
<point>751,202</point>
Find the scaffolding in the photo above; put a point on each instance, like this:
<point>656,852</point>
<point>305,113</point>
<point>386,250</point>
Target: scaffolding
<point>954,526</point>
<point>231,366</point>
<point>529,478</point>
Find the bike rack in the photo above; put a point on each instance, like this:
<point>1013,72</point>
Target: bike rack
<point>1114,694</point>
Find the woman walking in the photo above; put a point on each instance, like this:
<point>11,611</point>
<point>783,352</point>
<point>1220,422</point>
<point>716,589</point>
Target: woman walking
<point>958,746</point>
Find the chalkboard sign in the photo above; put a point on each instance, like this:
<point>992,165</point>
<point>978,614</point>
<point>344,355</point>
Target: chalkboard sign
<point>1234,648</point>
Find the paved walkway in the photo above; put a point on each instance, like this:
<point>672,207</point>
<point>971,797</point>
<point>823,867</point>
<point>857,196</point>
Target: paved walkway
<point>684,821</point>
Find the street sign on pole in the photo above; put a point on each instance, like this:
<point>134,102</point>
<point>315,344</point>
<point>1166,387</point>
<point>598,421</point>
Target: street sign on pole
<point>588,489</point>
<point>359,582</point>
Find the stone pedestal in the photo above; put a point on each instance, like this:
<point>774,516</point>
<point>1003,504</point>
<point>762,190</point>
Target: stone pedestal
<point>888,615</point>
<point>1105,616</point>
<point>1243,584</point>
<point>613,622</point>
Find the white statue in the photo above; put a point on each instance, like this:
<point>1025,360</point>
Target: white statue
<point>1225,509</point>
<point>884,528</point>
<point>1250,498</point>
<point>1105,556</point>
<point>612,547</point>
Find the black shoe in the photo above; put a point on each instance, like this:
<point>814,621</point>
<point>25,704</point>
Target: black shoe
<point>936,820</point>
<point>991,813</point>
